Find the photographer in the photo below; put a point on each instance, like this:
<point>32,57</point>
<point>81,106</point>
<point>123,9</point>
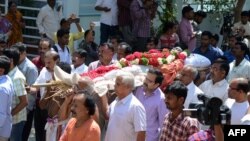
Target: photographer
<point>212,113</point>
<point>65,24</point>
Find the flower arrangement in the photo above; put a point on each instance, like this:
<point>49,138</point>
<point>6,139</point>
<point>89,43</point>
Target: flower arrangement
<point>168,62</point>
<point>153,58</point>
<point>100,71</point>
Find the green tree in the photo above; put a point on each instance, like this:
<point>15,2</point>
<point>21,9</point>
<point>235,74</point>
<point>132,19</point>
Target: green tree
<point>167,12</point>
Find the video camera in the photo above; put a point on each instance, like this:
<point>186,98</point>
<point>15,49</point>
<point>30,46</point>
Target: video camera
<point>210,111</point>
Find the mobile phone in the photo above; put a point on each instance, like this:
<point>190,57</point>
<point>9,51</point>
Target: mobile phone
<point>76,20</point>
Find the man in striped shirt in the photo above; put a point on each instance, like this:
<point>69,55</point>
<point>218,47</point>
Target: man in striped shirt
<point>140,11</point>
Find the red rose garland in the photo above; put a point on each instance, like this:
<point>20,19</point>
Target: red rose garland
<point>169,62</point>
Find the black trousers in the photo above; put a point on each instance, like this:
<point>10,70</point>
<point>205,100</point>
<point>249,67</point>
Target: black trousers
<point>40,119</point>
<point>107,31</point>
<point>28,125</point>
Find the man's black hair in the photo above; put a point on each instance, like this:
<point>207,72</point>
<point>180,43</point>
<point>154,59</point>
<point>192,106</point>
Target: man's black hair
<point>178,89</point>
<point>12,53</point>
<point>5,64</point>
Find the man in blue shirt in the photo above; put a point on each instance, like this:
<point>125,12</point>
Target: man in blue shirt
<point>6,92</point>
<point>206,49</point>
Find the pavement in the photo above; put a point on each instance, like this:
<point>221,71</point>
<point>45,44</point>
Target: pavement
<point>32,135</point>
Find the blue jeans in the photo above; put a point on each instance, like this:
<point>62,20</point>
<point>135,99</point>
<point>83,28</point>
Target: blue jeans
<point>16,132</point>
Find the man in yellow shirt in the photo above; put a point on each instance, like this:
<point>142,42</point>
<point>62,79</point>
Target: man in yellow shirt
<point>65,24</point>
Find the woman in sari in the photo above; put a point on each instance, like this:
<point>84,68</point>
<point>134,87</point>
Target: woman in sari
<point>16,19</point>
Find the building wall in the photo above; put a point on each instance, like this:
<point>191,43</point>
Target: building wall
<point>87,14</point>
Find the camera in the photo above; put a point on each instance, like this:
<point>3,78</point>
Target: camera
<point>209,111</point>
<point>227,24</point>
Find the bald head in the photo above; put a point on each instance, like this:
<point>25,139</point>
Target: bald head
<point>52,54</point>
<point>242,84</point>
<point>188,74</point>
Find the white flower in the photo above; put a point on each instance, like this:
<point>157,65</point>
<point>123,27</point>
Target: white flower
<point>135,62</point>
<point>170,58</point>
<point>160,61</point>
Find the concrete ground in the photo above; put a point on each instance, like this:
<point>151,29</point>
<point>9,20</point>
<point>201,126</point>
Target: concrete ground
<point>32,135</point>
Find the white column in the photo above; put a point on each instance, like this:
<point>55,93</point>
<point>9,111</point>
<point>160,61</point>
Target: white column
<point>6,7</point>
<point>70,6</point>
<point>179,4</point>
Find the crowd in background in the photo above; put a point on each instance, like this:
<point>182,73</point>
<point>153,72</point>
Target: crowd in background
<point>134,113</point>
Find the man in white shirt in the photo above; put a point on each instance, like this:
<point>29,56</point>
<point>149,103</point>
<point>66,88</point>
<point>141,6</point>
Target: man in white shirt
<point>238,89</point>
<point>47,73</point>
<point>109,22</point>
<point>127,116</point>
<point>61,47</point>
<point>240,67</point>
<point>187,75</point>
<point>78,61</point>
<point>106,53</point>
<point>48,19</point>
<point>115,41</point>
<point>217,86</point>
<point>246,119</point>
<point>7,91</point>
<point>243,23</point>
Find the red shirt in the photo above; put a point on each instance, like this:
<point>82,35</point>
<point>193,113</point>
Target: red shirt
<point>38,62</point>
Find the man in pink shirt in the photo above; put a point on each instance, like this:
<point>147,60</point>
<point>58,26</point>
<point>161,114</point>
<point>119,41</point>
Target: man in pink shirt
<point>187,34</point>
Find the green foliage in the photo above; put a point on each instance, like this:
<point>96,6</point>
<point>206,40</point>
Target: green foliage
<point>167,12</point>
<point>217,6</point>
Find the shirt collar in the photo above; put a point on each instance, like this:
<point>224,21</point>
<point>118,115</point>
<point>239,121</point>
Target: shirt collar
<point>79,67</point>
<point>125,99</point>
<point>220,83</point>
<point>157,90</point>
<point>241,63</point>
<point>21,65</point>
<point>110,63</point>
<point>178,119</point>
<point>190,85</point>
<point>13,71</point>
<point>60,49</point>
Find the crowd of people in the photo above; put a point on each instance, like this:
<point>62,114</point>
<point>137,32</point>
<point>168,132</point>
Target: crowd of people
<point>128,112</point>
